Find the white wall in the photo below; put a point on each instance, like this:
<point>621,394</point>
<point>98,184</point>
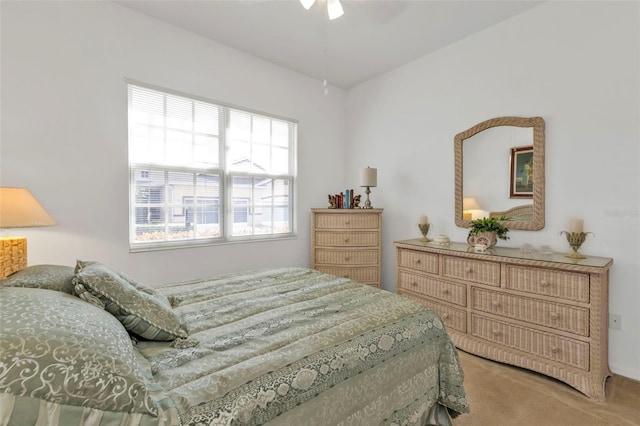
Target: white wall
<point>64,130</point>
<point>576,64</point>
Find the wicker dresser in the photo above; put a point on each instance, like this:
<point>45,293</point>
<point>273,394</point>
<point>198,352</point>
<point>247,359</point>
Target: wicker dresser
<point>347,243</point>
<point>546,313</point>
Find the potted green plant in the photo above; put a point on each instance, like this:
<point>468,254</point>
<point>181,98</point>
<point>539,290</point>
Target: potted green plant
<point>486,230</point>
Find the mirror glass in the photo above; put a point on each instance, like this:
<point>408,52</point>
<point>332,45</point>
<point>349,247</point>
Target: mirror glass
<point>500,172</point>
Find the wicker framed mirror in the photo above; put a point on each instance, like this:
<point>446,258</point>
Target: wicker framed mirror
<point>499,171</point>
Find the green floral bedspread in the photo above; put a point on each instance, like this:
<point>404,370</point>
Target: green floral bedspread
<point>293,346</point>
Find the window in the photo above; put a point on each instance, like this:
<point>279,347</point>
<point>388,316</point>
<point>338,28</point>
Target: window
<point>202,172</point>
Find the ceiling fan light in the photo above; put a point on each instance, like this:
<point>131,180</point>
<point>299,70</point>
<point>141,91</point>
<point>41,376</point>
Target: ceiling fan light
<point>307,3</point>
<point>334,8</point>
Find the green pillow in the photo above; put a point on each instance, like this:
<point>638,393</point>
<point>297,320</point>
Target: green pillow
<point>49,277</point>
<point>141,309</point>
<point>57,348</point>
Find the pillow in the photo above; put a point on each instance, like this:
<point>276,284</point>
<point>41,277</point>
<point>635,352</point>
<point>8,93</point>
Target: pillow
<point>139,286</point>
<point>142,310</point>
<point>57,348</point>
<point>50,277</point>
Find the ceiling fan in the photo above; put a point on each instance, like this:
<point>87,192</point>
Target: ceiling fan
<point>334,8</point>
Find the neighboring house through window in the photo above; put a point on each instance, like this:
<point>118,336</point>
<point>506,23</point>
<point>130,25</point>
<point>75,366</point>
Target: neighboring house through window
<point>202,172</point>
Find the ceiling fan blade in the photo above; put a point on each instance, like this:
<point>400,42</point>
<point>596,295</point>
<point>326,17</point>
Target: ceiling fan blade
<point>307,3</point>
<point>334,8</point>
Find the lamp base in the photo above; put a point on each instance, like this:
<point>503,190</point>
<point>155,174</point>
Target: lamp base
<point>13,255</point>
<point>367,203</point>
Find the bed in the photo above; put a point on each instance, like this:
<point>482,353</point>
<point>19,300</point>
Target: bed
<point>279,346</point>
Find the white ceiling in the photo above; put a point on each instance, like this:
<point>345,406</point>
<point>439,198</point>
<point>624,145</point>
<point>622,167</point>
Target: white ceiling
<point>372,37</point>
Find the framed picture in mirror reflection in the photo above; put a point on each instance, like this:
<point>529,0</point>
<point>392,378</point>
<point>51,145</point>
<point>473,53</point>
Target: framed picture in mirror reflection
<point>521,176</point>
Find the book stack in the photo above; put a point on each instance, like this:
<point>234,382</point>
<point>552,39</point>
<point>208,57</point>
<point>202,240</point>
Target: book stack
<point>343,200</point>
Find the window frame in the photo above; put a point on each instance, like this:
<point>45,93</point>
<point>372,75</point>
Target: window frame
<point>226,176</point>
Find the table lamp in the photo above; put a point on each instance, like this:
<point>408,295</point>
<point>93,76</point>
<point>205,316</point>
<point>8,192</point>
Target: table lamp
<point>18,209</point>
<point>368,178</point>
<point>469,204</point>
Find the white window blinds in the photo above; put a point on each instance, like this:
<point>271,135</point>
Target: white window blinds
<point>205,173</point>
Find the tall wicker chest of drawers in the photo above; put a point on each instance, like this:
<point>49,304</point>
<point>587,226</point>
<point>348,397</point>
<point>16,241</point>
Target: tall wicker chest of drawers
<point>347,243</point>
<point>546,313</point>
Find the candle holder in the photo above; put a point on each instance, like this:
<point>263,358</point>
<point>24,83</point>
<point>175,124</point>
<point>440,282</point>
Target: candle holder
<point>575,240</point>
<point>424,228</point>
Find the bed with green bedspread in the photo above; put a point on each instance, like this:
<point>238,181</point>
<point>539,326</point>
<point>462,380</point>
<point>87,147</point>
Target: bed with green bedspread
<point>280,346</point>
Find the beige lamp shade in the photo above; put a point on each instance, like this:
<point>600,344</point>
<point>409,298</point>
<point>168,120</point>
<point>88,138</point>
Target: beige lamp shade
<point>20,209</point>
<point>470,204</point>
<point>467,205</point>
<point>369,177</point>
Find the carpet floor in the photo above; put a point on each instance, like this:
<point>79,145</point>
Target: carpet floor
<point>503,395</point>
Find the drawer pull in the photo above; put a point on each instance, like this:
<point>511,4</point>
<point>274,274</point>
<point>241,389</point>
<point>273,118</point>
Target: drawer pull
<point>347,222</point>
<point>345,276</point>
<point>554,315</point>
<point>495,304</point>
<point>346,240</point>
<point>414,284</point>
<point>496,333</point>
<point>445,291</point>
<point>347,258</point>
<point>418,261</point>
<point>555,349</point>
<point>544,283</point>
<point>467,270</point>
<point>445,316</point>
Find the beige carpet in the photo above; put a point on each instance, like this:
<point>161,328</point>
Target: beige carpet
<point>502,395</point>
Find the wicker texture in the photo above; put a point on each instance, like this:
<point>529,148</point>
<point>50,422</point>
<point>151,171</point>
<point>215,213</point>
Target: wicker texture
<point>347,239</point>
<point>547,316</point>
<point>348,243</point>
<point>573,377</point>
<point>561,284</point>
<point>538,126</point>
<point>425,262</point>
<point>472,270</point>
<point>13,255</point>
<point>520,211</point>
<point>346,257</point>
<point>363,275</point>
<point>567,351</point>
<point>348,220</point>
<point>541,312</point>
<point>441,290</point>
<point>453,318</point>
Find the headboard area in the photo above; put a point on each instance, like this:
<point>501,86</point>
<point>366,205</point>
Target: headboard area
<point>524,213</point>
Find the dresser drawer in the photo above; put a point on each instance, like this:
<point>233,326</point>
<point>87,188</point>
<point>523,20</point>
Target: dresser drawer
<point>453,318</point>
<point>420,261</point>
<point>554,315</point>
<point>347,239</point>
<point>362,275</point>
<point>476,271</point>
<point>346,257</point>
<point>561,349</point>
<point>450,292</point>
<point>347,221</point>
<point>560,284</point>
